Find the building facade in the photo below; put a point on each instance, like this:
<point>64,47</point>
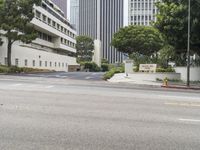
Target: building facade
<point>142,12</point>
<point>62,4</point>
<point>100,19</point>
<point>74,14</point>
<point>54,49</point>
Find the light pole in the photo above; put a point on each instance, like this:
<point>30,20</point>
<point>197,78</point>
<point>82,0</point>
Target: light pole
<point>188,45</point>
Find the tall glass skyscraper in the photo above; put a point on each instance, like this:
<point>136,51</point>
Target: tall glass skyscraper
<point>74,14</point>
<point>100,19</point>
<point>142,12</point>
<point>62,5</point>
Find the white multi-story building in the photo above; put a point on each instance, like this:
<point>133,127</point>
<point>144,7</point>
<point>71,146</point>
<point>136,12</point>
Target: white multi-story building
<point>54,49</point>
<point>142,12</point>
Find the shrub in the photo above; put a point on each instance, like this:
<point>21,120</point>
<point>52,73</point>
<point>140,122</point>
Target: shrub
<point>112,72</point>
<point>105,67</point>
<point>91,66</point>
<point>165,70</point>
<point>3,69</point>
<point>15,69</point>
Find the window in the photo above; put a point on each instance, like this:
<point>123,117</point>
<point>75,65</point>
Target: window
<point>54,24</point>
<point>50,64</point>
<point>39,35</point>
<point>45,37</point>
<point>55,64</point>
<point>49,38</point>
<point>33,63</point>
<point>49,21</point>
<point>6,61</point>
<point>40,63</point>
<point>45,63</point>
<point>16,62</point>
<point>25,62</point>
<point>38,14</point>
<point>58,26</point>
<point>44,18</point>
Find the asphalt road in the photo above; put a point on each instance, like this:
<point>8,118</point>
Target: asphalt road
<point>41,113</point>
<point>94,76</point>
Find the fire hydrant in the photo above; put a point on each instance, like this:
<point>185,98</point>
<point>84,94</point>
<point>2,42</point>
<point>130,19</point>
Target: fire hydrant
<point>165,82</point>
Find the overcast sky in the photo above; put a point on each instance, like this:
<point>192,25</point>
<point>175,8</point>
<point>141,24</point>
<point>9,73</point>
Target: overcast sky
<point>125,11</point>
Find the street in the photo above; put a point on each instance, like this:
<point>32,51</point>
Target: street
<point>79,111</point>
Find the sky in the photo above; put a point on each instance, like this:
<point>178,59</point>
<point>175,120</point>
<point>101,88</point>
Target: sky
<point>125,11</point>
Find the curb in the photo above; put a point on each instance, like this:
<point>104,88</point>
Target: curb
<point>181,87</point>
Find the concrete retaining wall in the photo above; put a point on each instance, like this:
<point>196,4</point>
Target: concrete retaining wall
<point>154,76</point>
<point>194,73</point>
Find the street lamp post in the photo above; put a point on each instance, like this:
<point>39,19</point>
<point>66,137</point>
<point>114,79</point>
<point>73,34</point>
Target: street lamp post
<point>188,45</point>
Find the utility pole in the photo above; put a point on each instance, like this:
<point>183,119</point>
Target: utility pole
<point>188,44</point>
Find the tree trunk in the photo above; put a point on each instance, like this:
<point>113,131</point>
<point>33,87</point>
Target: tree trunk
<point>9,48</point>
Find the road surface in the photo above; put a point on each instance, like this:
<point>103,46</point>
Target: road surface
<point>51,113</point>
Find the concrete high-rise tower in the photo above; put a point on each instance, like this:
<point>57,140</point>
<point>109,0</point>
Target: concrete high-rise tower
<point>100,19</point>
<point>142,12</point>
<point>62,4</point>
<point>74,14</point>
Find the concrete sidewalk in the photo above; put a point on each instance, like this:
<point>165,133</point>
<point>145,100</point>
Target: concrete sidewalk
<point>142,79</point>
<point>133,79</point>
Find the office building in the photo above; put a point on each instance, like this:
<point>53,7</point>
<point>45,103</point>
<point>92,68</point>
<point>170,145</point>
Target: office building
<point>142,12</point>
<point>100,19</point>
<point>54,49</point>
<point>74,14</point>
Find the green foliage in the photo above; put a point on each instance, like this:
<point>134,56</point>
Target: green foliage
<point>165,69</point>
<point>1,42</point>
<point>15,69</point>
<point>143,59</point>
<point>104,67</point>
<point>112,72</point>
<point>104,61</point>
<point>172,22</point>
<point>90,66</point>
<point>138,39</point>
<point>166,54</point>
<point>15,17</point>
<point>85,47</point>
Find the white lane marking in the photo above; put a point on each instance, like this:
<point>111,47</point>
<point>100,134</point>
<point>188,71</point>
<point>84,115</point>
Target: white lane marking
<point>189,120</point>
<point>184,104</point>
<point>49,87</point>
<point>16,84</point>
<point>87,78</point>
<point>6,79</point>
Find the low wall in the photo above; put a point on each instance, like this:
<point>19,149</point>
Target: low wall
<point>194,73</point>
<point>153,76</point>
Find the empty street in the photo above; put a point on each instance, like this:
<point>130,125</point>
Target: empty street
<point>61,113</point>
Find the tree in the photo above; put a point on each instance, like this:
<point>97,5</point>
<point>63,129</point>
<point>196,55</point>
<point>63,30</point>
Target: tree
<point>138,39</point>
<point>1,5</point>
<point>166,54</point>
<point>15,17</point>
<point>85,47</point>
<point>172,22</point>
